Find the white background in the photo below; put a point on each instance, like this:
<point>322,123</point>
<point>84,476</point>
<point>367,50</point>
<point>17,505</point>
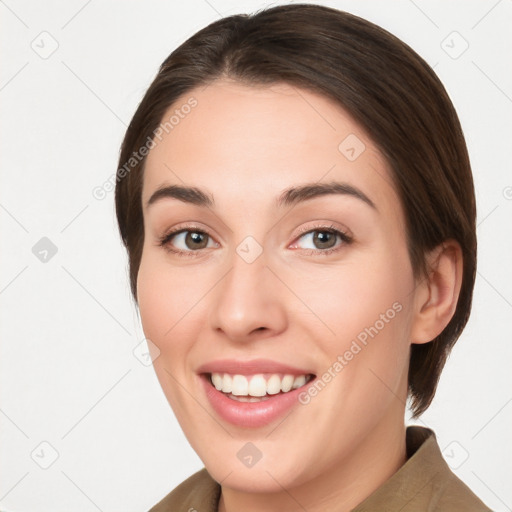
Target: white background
<point>68,373</point>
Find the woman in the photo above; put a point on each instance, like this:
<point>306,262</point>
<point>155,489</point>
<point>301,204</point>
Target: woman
<point>296,199</point>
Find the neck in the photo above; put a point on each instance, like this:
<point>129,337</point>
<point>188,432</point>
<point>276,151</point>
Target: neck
<point>339,488</point>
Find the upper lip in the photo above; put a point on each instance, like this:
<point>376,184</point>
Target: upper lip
<point>250,367</point>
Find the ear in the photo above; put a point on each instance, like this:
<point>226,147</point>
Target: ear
<point>437,293</point>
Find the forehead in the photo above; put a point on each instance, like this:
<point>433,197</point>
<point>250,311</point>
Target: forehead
<point>237,140</point>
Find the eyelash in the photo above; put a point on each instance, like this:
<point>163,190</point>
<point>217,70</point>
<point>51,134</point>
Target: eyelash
<point>346,239</point>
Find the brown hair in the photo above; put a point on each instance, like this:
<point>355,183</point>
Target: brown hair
<point>382,83</point>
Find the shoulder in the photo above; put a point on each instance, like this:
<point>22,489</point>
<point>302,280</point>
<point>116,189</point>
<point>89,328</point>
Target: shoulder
<point>445,490</point>
<point>454,495</point>
<point>199,492</point>
<point>424,482</point>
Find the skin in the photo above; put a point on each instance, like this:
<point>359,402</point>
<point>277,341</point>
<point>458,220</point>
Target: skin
<point>243,146</point>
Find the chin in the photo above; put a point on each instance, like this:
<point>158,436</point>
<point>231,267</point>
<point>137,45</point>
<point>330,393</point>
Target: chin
<point>261,478</point>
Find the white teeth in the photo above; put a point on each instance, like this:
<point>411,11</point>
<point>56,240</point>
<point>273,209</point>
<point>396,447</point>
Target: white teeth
<point>217,381</point>
<point>299,381</point>
<point>240,385</point>
<point>256,385</point>
<point>274,385</point>
<point>227,383</point>
<point>287,383</point>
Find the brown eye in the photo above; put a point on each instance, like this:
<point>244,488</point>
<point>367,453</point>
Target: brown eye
<point>322,240</point>
<point>188,240</point>
<point>196,240</point>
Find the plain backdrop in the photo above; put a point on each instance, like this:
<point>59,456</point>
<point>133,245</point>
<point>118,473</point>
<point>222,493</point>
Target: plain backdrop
<point>84,423</point>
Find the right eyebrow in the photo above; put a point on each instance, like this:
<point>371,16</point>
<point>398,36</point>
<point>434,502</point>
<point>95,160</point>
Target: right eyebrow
<point>191,195</point>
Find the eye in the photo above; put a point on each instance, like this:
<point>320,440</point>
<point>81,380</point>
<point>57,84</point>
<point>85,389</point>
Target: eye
<point>187,240</point>
<point>321,240</point>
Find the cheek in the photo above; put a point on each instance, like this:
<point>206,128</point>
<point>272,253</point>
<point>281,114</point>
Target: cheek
<point>166,306</point>
<point>154,300</point>
<point>166,310</point>
<point>358,296</point>
<point>167,299</point>
<point>366,306</point>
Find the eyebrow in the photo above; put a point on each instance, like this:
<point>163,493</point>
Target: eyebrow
<point>289,197</point>
<point>295,195</point>
<point>191,195</point>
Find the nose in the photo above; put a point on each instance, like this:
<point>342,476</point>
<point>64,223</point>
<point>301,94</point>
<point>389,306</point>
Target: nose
<point>248,304</point>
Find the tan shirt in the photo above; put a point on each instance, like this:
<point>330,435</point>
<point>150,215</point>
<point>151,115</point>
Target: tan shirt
<point>423,483</point>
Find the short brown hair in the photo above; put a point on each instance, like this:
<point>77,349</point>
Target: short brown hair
<point>382,83</point>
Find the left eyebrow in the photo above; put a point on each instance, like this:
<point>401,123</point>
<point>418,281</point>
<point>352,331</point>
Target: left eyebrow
<point>308,191</point>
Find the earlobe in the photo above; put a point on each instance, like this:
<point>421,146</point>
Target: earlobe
<point>437,293</point>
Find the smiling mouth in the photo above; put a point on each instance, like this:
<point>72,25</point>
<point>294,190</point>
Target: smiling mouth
<point>258,387</point>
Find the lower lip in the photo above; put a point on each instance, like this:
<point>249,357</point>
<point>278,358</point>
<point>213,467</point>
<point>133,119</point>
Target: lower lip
<point>250,414</point>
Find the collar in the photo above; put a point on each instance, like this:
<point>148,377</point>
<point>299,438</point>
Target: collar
<point>424,482</point>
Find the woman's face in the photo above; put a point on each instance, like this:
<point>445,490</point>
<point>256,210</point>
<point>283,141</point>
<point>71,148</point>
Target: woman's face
<point>275,257</point>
